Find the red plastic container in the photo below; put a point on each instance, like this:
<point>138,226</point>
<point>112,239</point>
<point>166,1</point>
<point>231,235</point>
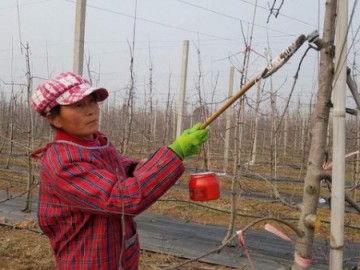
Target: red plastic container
<point>204,187</point>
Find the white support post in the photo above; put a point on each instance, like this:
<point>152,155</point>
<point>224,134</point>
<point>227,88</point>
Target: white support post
<point>79,36</point>
<point>181,99</point>
<point>338,172</point>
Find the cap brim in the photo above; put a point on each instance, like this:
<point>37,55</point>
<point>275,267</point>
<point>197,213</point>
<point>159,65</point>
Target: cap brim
<point>101,95</point>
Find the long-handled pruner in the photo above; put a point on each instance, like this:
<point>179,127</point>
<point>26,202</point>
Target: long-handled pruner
<point>277,63</point>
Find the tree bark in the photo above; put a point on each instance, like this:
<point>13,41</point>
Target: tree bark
<point>314,174</point>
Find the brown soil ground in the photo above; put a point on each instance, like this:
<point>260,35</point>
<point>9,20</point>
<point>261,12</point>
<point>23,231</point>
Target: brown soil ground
<point>24,249</point>
<point>27,250</point>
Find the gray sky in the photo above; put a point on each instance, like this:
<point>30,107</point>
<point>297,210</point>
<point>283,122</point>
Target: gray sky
<point>214,27</point>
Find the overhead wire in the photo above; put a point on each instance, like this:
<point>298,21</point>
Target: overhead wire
<point>235,18</point>
<point>162,24</point>
<point>231,17</point>
<point>193,31</point>
<point>241,20</point>
<point>157,23</point>
<point>168,25</point>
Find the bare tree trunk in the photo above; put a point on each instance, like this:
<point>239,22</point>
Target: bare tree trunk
<point>4,126</point>
<point>355,182</point>
<point>314,174</point>
<point>11,144</point>
<point>173,110</point>
<point>129,109</point>
<point>9,118</point>
<point>151,108</point>
<point>273,134</point>
<point>305,126</point>
<point>128,114</point>
<point>30,180</point>
<point>88,68</point>
<point>286,132</point>
<point>273,146</point>
<point>234,180</point>
<point>256,125</point>
<point>202,110</point>
<point>240,121</point>
<point>115,118</point>
<point>264,136</point>
<point>207,144</point>
<point>144,142</point>
<point>228,121</point>
<point>303,144</point>
<point>167,115</point>
<point>10,125</point>
<point>155,123</point>
<point>355,169</point>
<point>297,128</point>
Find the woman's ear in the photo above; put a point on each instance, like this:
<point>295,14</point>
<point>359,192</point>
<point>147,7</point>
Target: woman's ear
<point>54,120</point>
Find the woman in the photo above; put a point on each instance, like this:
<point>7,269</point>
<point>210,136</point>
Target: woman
<point>89,192</point>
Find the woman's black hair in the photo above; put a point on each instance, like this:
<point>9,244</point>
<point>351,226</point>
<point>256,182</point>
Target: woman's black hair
<point>54,112</point>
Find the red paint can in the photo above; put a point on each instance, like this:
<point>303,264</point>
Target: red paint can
<point>204,187</point>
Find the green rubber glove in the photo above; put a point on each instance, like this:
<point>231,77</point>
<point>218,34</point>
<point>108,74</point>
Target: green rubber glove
<point>188,143</point>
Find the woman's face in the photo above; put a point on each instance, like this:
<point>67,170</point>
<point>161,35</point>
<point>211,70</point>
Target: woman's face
<point>80,119</point>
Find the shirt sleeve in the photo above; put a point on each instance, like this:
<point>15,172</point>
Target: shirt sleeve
<point>80,184</point>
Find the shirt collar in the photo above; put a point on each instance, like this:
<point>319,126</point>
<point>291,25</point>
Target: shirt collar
<point>61,135</point>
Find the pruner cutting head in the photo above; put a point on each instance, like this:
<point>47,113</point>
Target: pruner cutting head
<point>313,38</point>
<point>283,57</point>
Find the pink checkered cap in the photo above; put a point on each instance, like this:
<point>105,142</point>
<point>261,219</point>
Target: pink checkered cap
<point>64,89</point>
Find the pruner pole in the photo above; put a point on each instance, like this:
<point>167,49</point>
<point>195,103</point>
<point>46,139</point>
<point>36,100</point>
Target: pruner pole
<point>277,63</point>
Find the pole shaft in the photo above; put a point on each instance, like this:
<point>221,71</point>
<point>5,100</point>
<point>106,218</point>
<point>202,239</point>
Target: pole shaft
<point>228,103</point>
<point>79,36</point>
<point>182,91</point>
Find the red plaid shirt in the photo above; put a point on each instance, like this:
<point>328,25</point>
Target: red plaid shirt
<point>85,187</point>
